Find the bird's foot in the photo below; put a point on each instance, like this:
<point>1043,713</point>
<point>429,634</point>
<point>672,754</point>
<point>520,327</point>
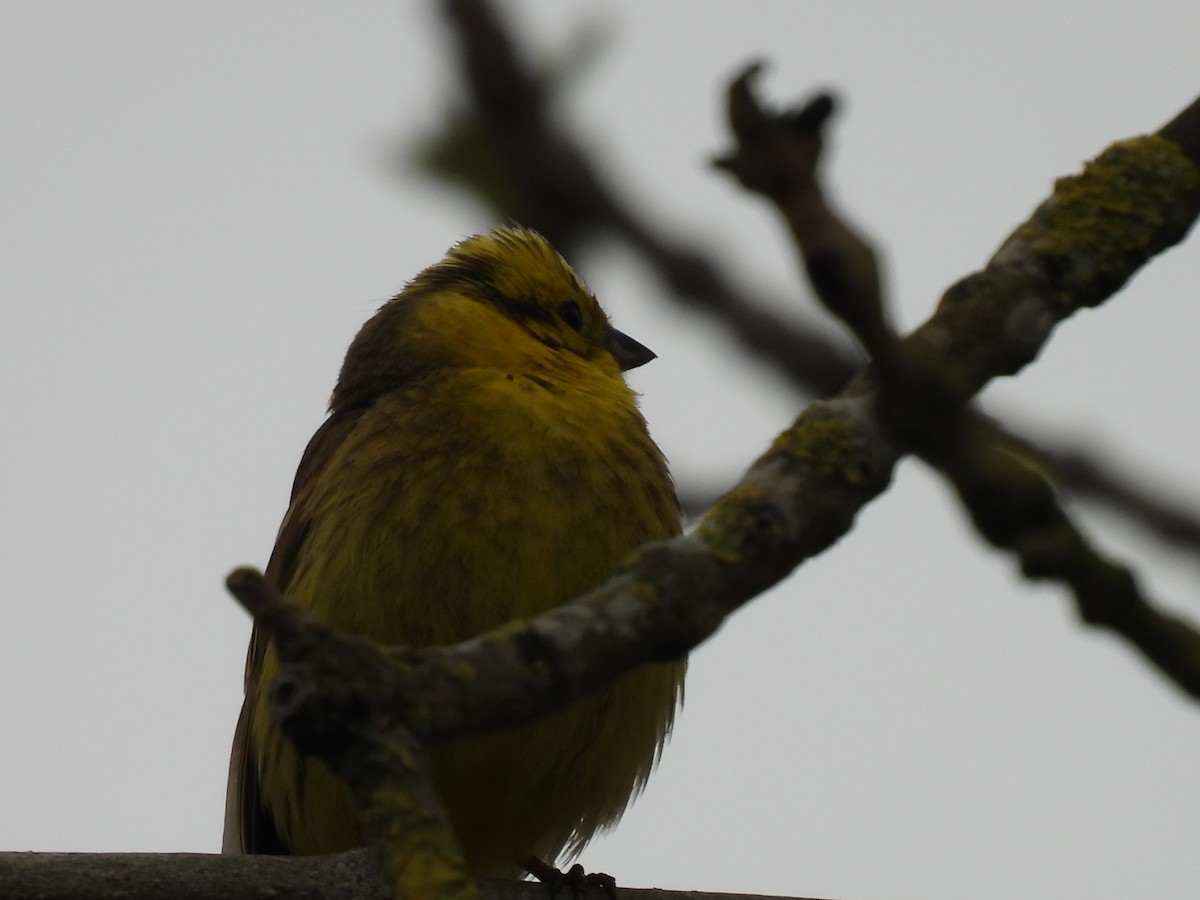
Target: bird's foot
<point>580,882</point>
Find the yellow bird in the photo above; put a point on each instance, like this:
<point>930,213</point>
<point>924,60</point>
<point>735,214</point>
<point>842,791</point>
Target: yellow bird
<point>483,461</point>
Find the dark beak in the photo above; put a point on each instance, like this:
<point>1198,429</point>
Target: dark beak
<point>628,352</point>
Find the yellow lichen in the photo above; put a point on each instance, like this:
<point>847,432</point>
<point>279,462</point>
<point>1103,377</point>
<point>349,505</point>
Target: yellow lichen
<point>829,445</point>
<point>417,852</point>
<point>733,523</point>
<point>642,590</point>
<point>1114,207</point>
<point>464,671</point>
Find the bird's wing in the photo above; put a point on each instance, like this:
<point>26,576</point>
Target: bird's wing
<point>249,826</point>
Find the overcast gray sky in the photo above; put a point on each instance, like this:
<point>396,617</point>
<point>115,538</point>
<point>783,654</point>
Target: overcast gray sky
<point>196,214</point>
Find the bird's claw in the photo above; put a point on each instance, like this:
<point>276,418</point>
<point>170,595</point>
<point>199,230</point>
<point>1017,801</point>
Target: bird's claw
<point>581,882</point>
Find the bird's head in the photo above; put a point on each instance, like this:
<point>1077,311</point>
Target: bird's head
<point>503,300</point>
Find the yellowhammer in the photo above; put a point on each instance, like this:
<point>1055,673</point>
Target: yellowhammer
<point>483,461</point>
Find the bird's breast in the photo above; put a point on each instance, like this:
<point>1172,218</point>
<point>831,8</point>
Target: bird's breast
<point>458,505</point>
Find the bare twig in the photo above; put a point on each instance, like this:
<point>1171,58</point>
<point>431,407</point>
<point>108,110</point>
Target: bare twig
<point>776,154</point>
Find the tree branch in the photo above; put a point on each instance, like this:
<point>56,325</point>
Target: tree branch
<point>1139,196</point>
<point>200,876</point>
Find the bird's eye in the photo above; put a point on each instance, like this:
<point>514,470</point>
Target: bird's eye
<point>570,313</point>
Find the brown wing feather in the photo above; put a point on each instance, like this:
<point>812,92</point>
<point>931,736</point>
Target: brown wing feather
<point>249,826</point>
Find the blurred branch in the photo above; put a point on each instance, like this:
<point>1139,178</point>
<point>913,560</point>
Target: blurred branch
<point>200,876</point>
<point>189,876</point>
<point>1097,479</point>
<point>555,187</point>
<point>1015,508</point>
<point>514,154</point>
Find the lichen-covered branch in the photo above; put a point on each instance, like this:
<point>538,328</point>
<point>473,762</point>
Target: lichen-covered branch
<point>1087,239</point>
<point>1077,250</point>
<point>343,698</point>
